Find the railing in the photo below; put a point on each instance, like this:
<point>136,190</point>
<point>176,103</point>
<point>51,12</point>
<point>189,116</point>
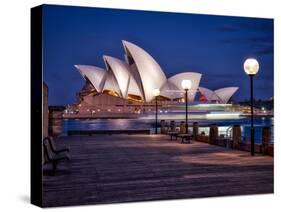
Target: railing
<point>230,137</point>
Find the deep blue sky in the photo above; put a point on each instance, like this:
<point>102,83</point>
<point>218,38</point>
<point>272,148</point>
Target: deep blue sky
<point>215,46</point>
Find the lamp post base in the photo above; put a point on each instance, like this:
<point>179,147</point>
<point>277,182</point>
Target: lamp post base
<point>156,115</point>
<point>252,141</point>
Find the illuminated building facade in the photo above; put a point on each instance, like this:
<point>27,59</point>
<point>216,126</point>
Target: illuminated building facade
<point>127,86</point>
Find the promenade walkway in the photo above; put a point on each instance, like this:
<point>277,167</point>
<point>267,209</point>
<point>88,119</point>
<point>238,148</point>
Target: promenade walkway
<point>125,168</point>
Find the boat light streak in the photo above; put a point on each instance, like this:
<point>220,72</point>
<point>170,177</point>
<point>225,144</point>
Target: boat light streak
<point>234,115</point>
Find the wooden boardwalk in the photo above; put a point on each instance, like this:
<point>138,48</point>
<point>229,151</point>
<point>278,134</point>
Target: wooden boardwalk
<point>125,168</point>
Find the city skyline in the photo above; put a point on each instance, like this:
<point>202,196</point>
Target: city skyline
<point>215,46</point>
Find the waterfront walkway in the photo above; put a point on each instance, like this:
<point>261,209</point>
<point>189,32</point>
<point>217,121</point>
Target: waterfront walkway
<point>125,168</point>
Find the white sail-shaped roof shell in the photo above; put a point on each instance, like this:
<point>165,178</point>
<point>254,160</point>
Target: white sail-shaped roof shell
<point>94,74</point>
<point>215,98</point>
<point>171,91</point>
<point>195,80</point>
<point>222,95</point>
<point>133,88</point>
<point>207,93</point>
<point>147,72</point>
<point>111,84</point>
<point>126,82</point>
<point>142,74</point>
<point>225,94</point>
<point>120,71</point>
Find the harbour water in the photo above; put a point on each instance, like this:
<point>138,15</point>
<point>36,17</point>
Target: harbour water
<point>123,124</point>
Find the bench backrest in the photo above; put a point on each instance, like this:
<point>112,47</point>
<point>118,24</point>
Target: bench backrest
<point>48,153</point>
<point>51,142</point>
<point>172,126</point>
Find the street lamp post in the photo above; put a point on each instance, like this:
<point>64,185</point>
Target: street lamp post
<point>251,67</point>
<point>186,85</point>
<point>156,93</point>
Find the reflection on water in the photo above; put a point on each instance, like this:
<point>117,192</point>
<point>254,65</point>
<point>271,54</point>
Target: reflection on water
<point>122,124</point>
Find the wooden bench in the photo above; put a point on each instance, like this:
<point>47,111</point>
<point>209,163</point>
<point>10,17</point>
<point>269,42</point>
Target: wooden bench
<point>54,149</point>
<point>173,134</point>
<point>186,137</point>
<point>52,157</point>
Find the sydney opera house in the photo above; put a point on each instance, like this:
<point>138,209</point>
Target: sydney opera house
<point>126,86</point>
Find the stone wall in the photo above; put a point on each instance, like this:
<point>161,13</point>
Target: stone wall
<point>56,120</point>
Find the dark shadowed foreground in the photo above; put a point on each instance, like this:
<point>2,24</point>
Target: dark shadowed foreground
<point>125,168</point>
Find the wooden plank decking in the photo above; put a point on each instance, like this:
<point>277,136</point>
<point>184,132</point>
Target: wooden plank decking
<point>125,168</point>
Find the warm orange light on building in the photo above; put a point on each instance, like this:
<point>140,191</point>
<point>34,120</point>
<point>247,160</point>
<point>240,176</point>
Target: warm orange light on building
<point>135,98</point>
<point>111,93</point>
